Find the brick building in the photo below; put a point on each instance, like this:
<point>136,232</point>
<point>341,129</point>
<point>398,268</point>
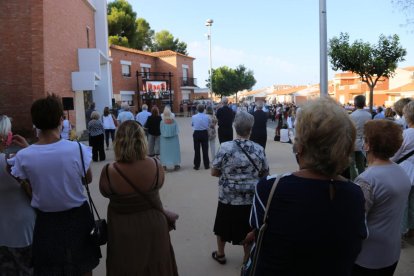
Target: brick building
<point>153,81</point>
<point>56,47</point>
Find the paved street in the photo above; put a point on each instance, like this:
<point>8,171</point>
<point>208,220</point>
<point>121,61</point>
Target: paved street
<point>193,194</point>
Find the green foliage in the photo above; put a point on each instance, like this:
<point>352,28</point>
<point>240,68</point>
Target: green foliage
<point>118,40</point>
<point>370,62</point>
<point>144,35</point>
<point>227,81</point>
<point>164,40</point>
<point>121,20</point>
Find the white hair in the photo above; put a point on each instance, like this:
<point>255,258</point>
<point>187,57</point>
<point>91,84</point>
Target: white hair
<point>125,106</point>
<point>5,125</point>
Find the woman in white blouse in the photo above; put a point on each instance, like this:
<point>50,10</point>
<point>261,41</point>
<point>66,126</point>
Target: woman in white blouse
<point>61,241</point>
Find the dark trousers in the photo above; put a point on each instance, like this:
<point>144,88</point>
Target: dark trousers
<point>97,143</point>
<point>225,134</point>
<point>385,271</point>
<point>200,138</point>
<point>107,133</point>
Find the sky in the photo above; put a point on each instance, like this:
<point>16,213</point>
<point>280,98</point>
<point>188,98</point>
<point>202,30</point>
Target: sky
<point>277,39</point>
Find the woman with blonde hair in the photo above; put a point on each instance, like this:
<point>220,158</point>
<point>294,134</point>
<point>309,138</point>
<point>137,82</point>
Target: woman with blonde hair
<point>170,155</point>
<point>138,233</point>
<point>316,218</point>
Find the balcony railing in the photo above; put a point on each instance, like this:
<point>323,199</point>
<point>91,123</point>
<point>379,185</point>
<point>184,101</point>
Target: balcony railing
<point>192,82</point>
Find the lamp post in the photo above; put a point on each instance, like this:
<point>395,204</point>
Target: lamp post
<point>209,23</point>
<point>323,55</point>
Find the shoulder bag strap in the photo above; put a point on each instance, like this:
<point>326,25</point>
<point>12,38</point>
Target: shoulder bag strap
<point>248,156</point>
<point>138,191</point>
<point>405,157</point>
<point>91,204</point>
<point>263,228</point>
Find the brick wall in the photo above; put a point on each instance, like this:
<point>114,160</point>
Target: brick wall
<point>65,30</point>
<point>38,49</point>
<point>21,77</point>
<point>121,83</point>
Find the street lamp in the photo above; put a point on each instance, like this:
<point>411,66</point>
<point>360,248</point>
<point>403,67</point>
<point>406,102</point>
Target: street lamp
<point>209,23</point>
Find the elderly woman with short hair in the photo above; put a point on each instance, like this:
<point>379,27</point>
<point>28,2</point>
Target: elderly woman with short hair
<point>238,164</point>
<point>385,186</point>
<point>405,157</point>
<point>316,219</point>
<point>96,134</point>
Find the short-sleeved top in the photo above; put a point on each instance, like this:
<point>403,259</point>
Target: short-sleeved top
<point>308,233</point>
<point>238,177</point>
<point>17,217</point>
<point>54,171</point>
<point>108,122</point>
<point>95,128</point>
<point>142,117</point>
<point>125,116</point>
<point>386,190</point>
<point>360,117</point>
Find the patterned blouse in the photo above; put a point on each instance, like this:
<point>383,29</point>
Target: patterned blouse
<point>238,177</point>
<point>95,127</point>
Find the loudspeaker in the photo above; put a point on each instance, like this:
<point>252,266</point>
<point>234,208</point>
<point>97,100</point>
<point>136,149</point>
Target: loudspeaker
<point>113,102</point>
<point>67,103</point>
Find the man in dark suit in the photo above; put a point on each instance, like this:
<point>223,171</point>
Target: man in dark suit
<point>225,117</point>
<point>259,130</point>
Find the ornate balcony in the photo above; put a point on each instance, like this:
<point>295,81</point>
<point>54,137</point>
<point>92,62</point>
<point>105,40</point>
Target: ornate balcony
<point>188,82</point>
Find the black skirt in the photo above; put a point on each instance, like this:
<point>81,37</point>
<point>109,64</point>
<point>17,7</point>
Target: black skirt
<point>62,245</point>
<point>232,222</point>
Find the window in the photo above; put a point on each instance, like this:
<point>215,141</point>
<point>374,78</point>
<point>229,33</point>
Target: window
<point>126,68</point>
<point>87,37</point>
<point>145,68</point>
<point>127,97</point>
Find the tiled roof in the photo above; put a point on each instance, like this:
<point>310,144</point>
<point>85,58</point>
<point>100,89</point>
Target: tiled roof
<point>169,53</point>
<point>410,68</point>
<point>288,90</point>
<point>166,53</point>
<point>131,50</point>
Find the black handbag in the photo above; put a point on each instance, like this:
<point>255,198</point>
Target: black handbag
<point>99,231</point>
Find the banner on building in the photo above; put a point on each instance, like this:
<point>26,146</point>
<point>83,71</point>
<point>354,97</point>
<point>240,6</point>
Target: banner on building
<point>156,86</point>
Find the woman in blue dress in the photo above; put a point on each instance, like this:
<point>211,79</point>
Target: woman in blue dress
<point>169,143</point>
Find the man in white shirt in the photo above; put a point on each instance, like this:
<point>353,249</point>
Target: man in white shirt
<point>359,117</point>
<point>142,116</point>
<point>125,114</point>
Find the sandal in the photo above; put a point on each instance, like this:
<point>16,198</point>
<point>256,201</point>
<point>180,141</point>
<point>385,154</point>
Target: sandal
<point>220,259</point>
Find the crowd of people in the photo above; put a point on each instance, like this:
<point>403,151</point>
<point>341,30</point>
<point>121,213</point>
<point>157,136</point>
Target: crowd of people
<point>345,211</point>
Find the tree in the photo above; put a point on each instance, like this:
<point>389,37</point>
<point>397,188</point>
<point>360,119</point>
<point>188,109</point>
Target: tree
<point>118,40</point>
<point>370,62</point>
<point>227,81</point>
<point>144,35</point>
<point>164,40</point>
<point>121,21</point>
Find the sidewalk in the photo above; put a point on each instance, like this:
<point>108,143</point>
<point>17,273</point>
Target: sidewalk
<point>193,194</point>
